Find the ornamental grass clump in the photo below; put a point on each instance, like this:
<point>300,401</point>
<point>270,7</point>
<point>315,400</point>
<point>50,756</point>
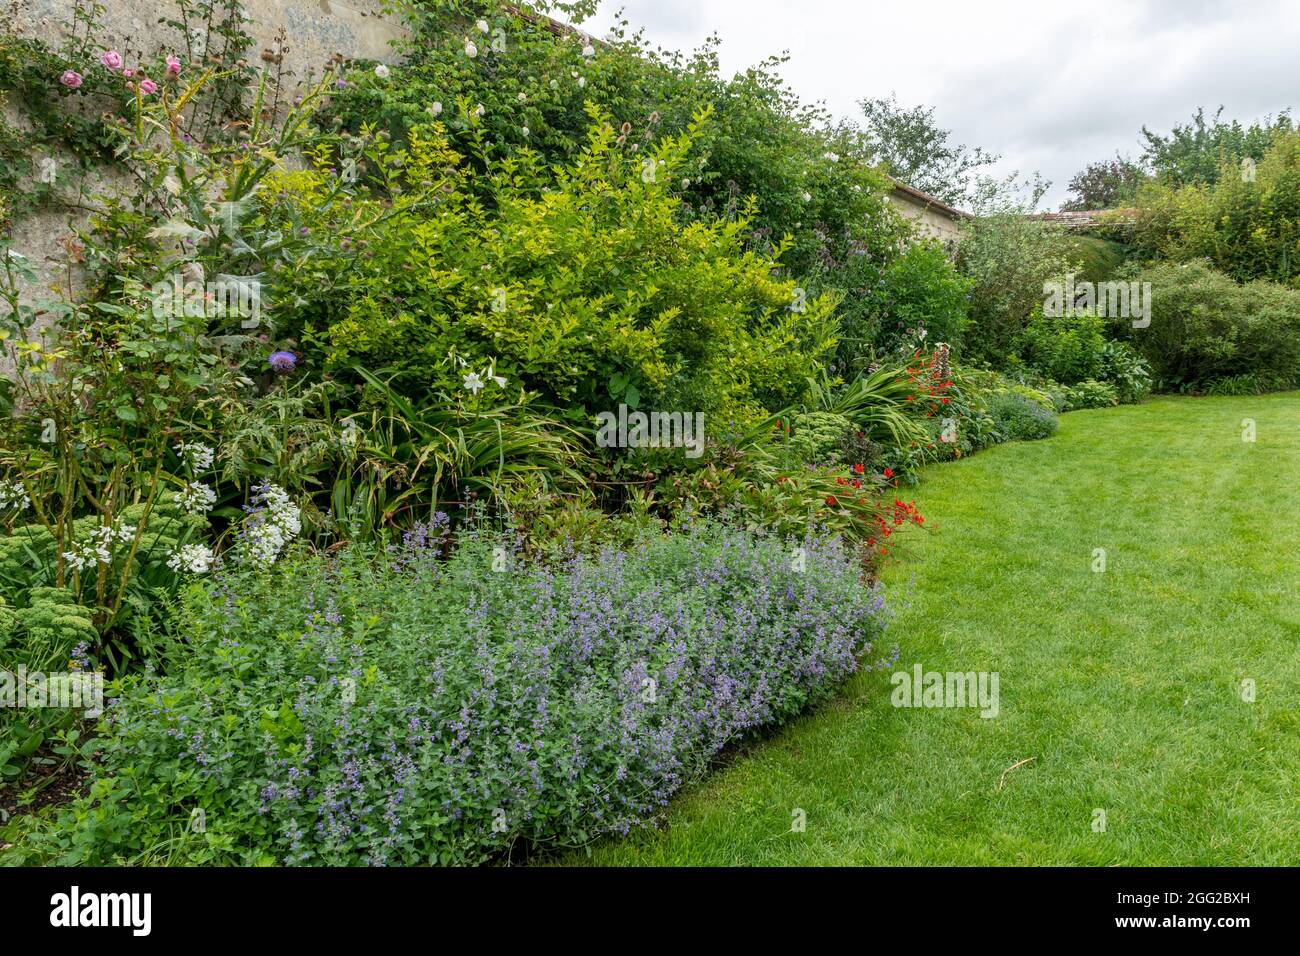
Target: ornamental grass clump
<point>406,708</point>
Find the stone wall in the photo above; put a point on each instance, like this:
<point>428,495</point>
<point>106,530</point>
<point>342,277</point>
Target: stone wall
<point>315,29</point>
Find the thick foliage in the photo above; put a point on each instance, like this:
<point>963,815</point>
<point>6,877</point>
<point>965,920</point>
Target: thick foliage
<point>420,711</point>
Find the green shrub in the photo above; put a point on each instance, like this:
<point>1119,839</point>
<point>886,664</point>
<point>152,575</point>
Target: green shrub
<point>811,182</point>
<point>818,436</point>
<point>1204,327</point>
<point>920,298</point>
<point>1068,349</point>
<point>42,634</point>
<point>1247,228</point>
<point>1018,418</point>
<point>1090,394</point>
<point>397,708</point>
<point>1007,257</point>
<point>1125,369</point>
<point>568,281</point>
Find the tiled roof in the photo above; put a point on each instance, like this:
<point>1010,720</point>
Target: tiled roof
<point>1083,218</point>
<point>925,199</point>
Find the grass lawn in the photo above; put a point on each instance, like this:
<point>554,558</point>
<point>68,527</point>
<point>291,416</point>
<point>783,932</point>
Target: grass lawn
<point>1123,690</point>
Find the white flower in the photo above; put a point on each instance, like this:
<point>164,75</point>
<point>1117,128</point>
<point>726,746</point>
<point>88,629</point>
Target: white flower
<point>582,82</point>
<point>434,108</point>
<point>686,184</point>
<point>196,498</point>
<point>554,84</point>
<point>479,110</point>
<point>471,50</point>
<point>197,455</point>
<point>588,50</point>
<point>500,380</point>
<point>274,520</point>
<point>76,559</point>
<point>13,495</point>
<point>482,26</point>
<point>522,97</point>
<point>473,382</point>
<point>381,71</point>
<point>807,197</point>
<point>833,157</point>
<point>524,130</point>
<point>194,558</point>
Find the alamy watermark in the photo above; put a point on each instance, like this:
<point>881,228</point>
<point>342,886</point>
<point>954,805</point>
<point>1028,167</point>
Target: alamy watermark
<point>75,690</point>
<point>1116,300</point>
<point>224,296</point>
<point>633,429</point>
<point>922,688</point>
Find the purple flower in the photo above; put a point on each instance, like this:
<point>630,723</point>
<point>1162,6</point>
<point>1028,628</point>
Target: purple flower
<point>282,361</point>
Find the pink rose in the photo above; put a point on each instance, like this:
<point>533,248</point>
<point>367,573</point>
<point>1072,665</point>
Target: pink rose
<point>148,86</point>
<point>71,79</point>
<point>174,66</point>
<point>112,59</point>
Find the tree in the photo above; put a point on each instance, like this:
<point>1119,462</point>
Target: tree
<point>1195,152</point>
<point>917,150</point>
<point>1106,184</point>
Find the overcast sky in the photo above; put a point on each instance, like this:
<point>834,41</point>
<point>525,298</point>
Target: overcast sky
<point>1049,86</point>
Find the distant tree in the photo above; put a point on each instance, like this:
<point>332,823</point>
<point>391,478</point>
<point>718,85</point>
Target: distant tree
<point>1195,152</point>
<point>1106,184</point>
<point>916,150</point>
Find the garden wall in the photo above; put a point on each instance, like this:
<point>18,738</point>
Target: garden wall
<point>315,29</point>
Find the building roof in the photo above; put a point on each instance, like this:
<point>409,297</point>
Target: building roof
<point>933,202</point>
<point>1084,218</point>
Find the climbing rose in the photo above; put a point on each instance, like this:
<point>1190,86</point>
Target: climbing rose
<point>71,79</point>
<point>381,71</point>
<point>148,86</point>
<point>111,59</point>
<point>174,65</point>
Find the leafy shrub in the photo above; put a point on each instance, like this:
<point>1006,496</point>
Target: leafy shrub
<point>1019,418</point>
<point>566,281</point>
<point>1067,349</point>
<point>1246,227</point>
<point>817,436</point>
<point>409,710</point>
<point>42,634</point>
<point>1125,369</point>
<point>1090,394</point>
<point>811,183</point>
<point>919,297</point>
<point>1007,257</point>
<point>1204,326</point>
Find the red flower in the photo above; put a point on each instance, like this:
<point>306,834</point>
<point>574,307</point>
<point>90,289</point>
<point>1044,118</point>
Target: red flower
<point>858,468</point>
<point>910,397</point>
<point>945,399</point>
<point>857,483</point>
<point>830,500</point>
<point>889,473</point>
<point>839,480</point>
